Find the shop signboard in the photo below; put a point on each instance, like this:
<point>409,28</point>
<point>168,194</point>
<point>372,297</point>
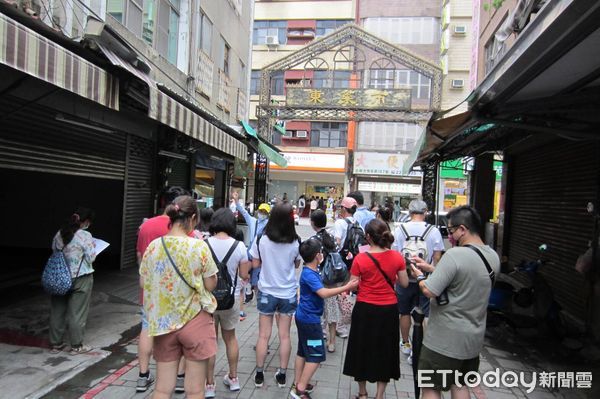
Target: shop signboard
<point>310,161</point>
<point>385,187</point>
<point>455,169</point>
<point>397,99</point>
<point>380,163</point>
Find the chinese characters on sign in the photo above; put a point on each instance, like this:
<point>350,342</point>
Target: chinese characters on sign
<point>398,99</point>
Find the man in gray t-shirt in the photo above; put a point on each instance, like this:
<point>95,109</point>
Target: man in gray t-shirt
<point>454,335</point>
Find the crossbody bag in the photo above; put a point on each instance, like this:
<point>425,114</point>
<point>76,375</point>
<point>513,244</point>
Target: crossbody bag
<point>385,276</point>
<point>491,272</point>
<point>174,265</point>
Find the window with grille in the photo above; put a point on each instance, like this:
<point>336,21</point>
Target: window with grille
<point>405,30</point>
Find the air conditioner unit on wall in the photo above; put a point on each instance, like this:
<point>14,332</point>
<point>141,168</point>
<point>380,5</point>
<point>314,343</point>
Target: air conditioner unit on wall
<point>458,83</point>
<point>460,29</point>
<point>301,134</point>
<point>272,41</point>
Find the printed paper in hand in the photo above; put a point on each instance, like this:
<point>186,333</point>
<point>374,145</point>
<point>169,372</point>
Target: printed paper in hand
<point>101,245</point>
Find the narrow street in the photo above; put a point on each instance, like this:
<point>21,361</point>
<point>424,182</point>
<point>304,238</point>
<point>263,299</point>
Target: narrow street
<point>110,371</point>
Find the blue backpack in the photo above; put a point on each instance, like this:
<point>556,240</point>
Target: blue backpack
<point>56,278</point>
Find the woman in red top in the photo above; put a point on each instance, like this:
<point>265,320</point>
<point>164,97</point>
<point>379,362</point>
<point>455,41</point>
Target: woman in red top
<point>373,352</point>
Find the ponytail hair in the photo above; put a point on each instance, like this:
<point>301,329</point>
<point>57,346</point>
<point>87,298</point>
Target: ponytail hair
<point>380,233</point>
<point>181,210</point>
<point>74,223</point>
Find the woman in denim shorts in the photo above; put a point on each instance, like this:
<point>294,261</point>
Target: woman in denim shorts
<point>277,252</point>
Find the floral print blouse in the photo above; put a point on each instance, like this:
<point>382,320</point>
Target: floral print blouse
<point>169,302</point>
<point>80,248</point>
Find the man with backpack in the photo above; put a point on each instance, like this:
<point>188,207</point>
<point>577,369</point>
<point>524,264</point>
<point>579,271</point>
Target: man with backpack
<point>349,237</point>
<point>415,239</point>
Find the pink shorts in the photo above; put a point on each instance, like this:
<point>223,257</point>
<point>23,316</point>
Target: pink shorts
<point>197,340</point>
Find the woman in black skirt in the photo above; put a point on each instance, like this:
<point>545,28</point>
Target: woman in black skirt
<point>373,352</point>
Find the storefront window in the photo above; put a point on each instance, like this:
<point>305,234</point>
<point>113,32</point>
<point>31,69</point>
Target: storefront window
<point>204,187</point>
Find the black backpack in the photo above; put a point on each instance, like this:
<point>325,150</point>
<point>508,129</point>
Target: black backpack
<point>355,238</point>
<point>224,292</point>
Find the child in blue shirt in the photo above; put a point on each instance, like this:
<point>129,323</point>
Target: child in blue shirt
<point>311,346</point>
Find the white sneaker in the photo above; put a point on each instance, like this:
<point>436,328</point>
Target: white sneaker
<point>209,391</point>
<point>405,347</point>
<point>232,383</point>
<point>409,359</point>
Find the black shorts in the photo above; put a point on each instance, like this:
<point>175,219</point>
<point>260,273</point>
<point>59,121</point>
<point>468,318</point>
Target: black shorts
<point>311,345</point>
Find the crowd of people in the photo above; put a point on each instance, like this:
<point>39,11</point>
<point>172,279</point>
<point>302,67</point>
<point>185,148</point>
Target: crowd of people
<point>196,274</point>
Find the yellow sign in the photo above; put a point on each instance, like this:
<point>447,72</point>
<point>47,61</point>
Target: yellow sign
<point>316,96</point>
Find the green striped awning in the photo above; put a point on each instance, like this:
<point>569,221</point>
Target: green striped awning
<point>29,52</point>
<point>264,147</point>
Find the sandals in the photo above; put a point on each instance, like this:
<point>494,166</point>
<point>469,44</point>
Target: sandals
<point>330,348</point>
<point>54,349</point>
<point>77,350</point>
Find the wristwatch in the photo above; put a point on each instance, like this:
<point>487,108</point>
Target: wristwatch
<point>421,278</point>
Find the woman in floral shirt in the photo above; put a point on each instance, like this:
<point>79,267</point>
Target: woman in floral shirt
<point>70,311</point>
<point>178,275</point>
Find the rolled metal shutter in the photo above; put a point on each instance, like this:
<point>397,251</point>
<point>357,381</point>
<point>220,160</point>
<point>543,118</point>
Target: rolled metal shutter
<point>32,139</point>
<point>137,203</point>
<point>180,173</point>
<point>550,189</point>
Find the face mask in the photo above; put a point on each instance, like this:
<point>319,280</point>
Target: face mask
<point>452,240</point>
<point>262,216</point>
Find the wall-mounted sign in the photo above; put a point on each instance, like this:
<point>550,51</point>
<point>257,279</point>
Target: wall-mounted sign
<point>378,163</point>
<point>309,161</point>
<point>398,99</point>
<point>384,187</point>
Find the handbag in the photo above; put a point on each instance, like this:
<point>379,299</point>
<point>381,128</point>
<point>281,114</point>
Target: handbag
<point>382,273</point>
<point>162,239</point>
<point>56,277</point>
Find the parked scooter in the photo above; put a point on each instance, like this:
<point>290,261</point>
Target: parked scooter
<point>523,298</point>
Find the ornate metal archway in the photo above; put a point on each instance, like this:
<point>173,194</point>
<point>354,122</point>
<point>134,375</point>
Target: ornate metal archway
<point>348,52</point>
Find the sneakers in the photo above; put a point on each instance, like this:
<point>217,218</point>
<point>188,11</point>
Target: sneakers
<point>232,383</point>
<point>299,395</point>
<point>280,379</point>
<point>341,334</point>
<point>409,359</point>
<point>209,391</point>
<point>179,385</point>
<point>144,382</point>
<point>242,316</point>
<point>248,295</point>
<point>309,387</point>
<point>405,347</point>
<point>259,379</point>
<point>77,350</point>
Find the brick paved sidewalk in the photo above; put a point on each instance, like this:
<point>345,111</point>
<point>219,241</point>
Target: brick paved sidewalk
<point>329,382</point>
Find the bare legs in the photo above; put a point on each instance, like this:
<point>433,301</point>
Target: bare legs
<point>265,325</point>
<point>166,376</point>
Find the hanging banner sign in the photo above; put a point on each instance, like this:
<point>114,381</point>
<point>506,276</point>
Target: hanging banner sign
<point>398,99</point>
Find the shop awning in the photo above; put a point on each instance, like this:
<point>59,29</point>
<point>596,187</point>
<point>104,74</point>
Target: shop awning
<point>546,83</point>
<point>169,111</point>
<point>29,52</point>
<point>265,148</point>
<point>279,129</point>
